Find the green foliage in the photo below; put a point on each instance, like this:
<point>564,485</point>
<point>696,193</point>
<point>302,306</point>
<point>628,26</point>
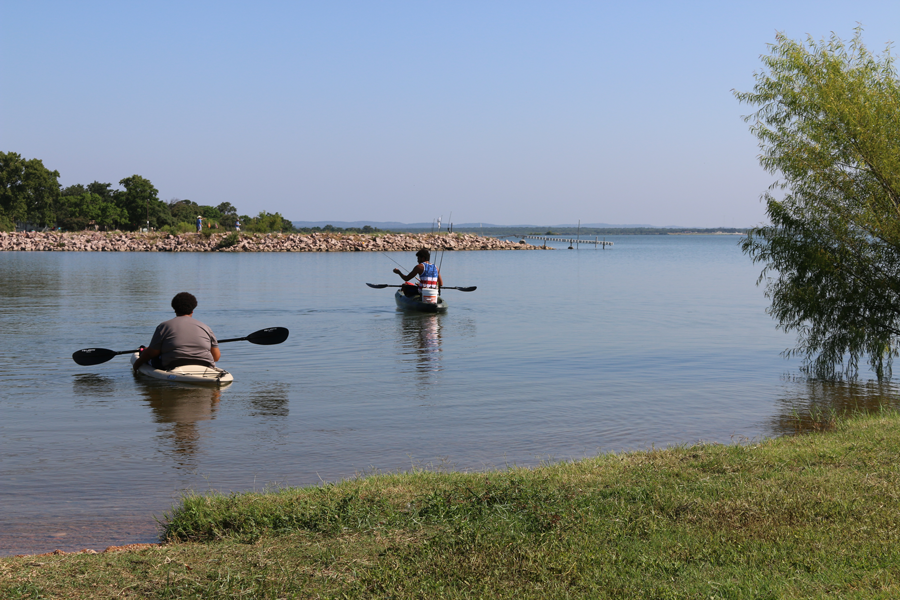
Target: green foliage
<point>828,121</point>
<point>30,193</point>
<point>139,201</point>
<point>74,190</point>
<point>179,228</point>
<point>28,190</point>
<point>266,223</point>
<point>184,211</point>
<point>230,240</point>
<point>76,212</point>
<point>226,209</point>
<point>228,215</point>
<point>104,190</point>
<point>209,213</point>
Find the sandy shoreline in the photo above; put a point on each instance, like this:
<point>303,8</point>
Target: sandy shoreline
<point>125,548</point>
<point>117,241</point>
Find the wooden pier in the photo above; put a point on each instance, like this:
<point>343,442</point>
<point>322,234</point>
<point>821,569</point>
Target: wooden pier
<point>596,241</point>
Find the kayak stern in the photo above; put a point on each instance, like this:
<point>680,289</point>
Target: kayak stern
<point>415,303</point>
<point>196,374</point>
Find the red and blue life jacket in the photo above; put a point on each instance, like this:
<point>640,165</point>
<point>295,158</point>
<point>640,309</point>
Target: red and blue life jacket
<point>429,277</point>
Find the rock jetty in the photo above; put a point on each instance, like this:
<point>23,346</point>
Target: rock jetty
<point>117,241</point>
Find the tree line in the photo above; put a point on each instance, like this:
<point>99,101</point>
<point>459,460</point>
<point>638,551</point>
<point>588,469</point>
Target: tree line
<point>31,197</point>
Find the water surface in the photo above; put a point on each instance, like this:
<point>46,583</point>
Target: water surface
<point>657,341</point>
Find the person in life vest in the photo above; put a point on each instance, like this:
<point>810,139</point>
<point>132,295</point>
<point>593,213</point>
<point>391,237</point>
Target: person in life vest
<point>428,274</point>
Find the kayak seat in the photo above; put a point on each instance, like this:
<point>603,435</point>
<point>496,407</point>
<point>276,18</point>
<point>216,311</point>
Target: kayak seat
<point>184,362</point>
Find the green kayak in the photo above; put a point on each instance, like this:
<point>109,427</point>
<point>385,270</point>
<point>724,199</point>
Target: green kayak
<point>415,303</point>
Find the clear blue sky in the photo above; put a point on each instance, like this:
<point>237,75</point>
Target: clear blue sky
<point>501,112</point>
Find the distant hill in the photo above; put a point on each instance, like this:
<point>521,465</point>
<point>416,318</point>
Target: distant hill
<point>393,225</point>
<point>397,226</point>
<point>503,231</point>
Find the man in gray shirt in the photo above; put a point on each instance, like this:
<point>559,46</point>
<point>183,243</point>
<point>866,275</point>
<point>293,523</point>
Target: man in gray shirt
<point>181,341</point>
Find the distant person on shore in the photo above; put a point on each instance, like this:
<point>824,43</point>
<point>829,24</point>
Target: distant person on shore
<point>199,223</point>
<point>237,225</point>
<point>181,341</point>
<point>428,274</point>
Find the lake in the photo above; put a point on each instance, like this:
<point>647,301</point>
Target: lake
<point>656,341</point>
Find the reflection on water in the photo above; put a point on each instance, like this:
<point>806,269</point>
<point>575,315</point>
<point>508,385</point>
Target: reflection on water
<point>181,408</point>
<point>270,401</point>
<point>420,340</point>
<point>821,402</point>
<point>663,340</point>
<point>93,386</point>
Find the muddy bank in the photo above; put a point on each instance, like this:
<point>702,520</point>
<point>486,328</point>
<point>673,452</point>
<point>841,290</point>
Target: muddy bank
<point>248,242</point>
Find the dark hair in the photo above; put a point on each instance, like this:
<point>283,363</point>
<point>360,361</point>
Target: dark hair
<point>423,254</point>
<point>184,303</point>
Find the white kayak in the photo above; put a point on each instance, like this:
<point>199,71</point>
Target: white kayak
<point>187,373</point>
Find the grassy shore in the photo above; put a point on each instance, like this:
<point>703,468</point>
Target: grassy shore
<point>810,516</point>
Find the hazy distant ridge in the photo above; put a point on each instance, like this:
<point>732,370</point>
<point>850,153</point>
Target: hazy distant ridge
<point>398,225</point>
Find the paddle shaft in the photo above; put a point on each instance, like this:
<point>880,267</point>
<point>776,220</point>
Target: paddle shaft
<point>381,286</point>
<point>264,337</point>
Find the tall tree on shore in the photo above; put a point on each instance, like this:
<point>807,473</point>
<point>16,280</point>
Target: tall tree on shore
<point>28,190</point>
<point>76,211</point>
<point>229,215</point>
<point>828,124</point>
<point>141,203</point>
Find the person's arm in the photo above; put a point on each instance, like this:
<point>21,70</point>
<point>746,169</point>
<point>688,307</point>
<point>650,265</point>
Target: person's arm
<point>415,271</point>
<point>147,354</point>
<point>216,353</point>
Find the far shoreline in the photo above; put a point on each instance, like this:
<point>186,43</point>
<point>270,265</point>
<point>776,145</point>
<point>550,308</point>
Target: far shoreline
<point>118,241</point>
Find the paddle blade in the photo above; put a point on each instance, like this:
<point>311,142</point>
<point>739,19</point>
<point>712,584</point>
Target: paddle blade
<point>377,286</point>
<point>93,356</point>
<point>268,337</point>
<point>468,289</point>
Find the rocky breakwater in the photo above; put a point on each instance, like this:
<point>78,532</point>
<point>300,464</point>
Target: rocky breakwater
<point>117,241</point>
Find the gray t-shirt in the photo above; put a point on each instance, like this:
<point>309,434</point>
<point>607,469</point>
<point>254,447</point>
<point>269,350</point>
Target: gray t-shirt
<point>183,337</point>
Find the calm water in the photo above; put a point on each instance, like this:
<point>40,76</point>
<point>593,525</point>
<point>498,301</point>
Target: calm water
<point>558,355</point>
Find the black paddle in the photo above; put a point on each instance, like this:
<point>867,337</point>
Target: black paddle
<point>381,286</point>
<point>263,337</point>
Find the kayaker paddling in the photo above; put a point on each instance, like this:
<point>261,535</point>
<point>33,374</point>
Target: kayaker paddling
<point>181,341</point>
<point>428,274</point>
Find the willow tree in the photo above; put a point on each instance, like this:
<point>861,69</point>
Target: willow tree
<point>828,123</point>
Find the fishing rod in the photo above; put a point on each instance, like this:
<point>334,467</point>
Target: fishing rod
<point>444,249</point>
<point>394,261</point>
<point>432,232</point>
<point>445,246</point>
<point>391,259</point>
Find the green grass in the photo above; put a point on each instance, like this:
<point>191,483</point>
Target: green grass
<point>811,516</point>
